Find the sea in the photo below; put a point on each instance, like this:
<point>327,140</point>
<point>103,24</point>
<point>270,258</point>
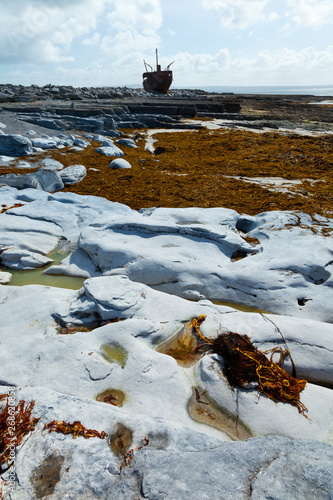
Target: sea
<point>315,90</point>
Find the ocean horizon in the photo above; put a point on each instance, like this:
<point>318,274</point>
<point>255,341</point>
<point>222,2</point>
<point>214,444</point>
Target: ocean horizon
<point>315,90</point>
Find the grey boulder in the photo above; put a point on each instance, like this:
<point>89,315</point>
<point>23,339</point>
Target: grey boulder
<point>45,180</point>
<point>73,174</point>
<point>21,181</point>
<point>15,145</point>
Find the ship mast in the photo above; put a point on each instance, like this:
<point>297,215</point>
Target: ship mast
<point>158,66</point>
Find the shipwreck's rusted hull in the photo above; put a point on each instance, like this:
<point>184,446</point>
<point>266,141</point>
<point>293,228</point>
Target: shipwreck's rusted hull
<point>157,81</point>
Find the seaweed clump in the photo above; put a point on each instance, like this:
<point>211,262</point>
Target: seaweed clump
<point>247,367</point>
<point>76,428</point>
<point>15,423</point>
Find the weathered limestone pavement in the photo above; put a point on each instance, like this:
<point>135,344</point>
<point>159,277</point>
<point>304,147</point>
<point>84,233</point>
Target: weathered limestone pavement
<point>145,276</point>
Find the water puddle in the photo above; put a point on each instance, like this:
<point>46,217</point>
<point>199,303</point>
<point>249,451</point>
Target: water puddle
<point>114,353</point>
<point>36,277</point>
<point>239,307</point>
<point>203,410</point>
<point>113,397</point>
<point>21,277</point>
<point>182,347</point>
<point>121,440</point>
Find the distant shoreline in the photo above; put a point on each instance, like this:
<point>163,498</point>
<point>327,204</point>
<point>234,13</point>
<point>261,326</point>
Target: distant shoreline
<point>315,90</point>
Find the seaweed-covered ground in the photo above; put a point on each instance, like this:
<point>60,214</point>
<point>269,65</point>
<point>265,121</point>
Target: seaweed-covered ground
<point>238,169</point>
<point>277,154</point>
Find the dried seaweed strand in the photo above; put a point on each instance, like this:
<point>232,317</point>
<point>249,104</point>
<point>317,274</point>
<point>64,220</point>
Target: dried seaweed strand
<point>129,455</point>
<point>76,428</point>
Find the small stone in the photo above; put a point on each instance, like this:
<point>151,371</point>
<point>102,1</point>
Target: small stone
<point>5,278</point>
<point>120,163</point>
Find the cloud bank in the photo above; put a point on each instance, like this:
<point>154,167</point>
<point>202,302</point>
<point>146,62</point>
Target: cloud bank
<point>103,42</point>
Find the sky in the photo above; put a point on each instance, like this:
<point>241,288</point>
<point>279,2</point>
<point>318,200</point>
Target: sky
<point>96,43</point>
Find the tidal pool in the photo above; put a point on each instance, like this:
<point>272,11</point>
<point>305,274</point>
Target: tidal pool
<point>21,277</point>
<point>114,353</point>
<point>202,409</point>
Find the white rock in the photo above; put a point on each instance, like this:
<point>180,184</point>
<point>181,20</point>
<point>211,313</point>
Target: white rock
<point>110,151</point>
<point>81,143</point>
<point>51,164</point>
<point>73,174</point>
<point>6,159</point>
<point>187,252</point>
<point>271,467</point>
<point>120,163</point>
<point>76,264</point>
<point>107,142</point>
<point>24,164</point>
<point>44,142</point>
<point>194,257</point>
<point>21,259</point>
<point>5,278</point>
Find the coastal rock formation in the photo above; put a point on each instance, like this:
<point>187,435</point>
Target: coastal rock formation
<point>123,357</point>
<point>161,413</point>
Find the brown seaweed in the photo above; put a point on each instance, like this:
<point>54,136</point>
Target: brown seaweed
<point>15,424</point>
<point>76,428</point>
<point>247,367</point>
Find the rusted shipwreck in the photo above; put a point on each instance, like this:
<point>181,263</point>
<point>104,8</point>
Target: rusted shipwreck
<point>157,81</point>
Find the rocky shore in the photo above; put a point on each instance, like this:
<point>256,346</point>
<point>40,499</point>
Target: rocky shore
<point>148,221</point>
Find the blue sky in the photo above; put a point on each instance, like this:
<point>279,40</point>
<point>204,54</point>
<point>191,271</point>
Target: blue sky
<point>213,42</point>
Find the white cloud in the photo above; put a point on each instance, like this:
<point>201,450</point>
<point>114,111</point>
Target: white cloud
<point>43,30</point>
<point>310,12</point>
<point>92,40</point>
<point>133,26</point>
<point>284,67</point>
<point>240,13</point>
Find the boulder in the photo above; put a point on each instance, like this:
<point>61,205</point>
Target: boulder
<point>45,143</point>
<point>110,151</point>
<point>50,180</point>
<point>15,145</point>
<point>51,164</point>
<point>73,174</point>
<point>81,143</point>
<point>21,181</point>
<point>24,164</point>
<point>14,258</point>
<point>127,142</point>
<point>46,180</point>
<point>120,163</point>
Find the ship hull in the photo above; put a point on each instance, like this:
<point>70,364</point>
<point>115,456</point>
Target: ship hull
<point>157,81</point>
